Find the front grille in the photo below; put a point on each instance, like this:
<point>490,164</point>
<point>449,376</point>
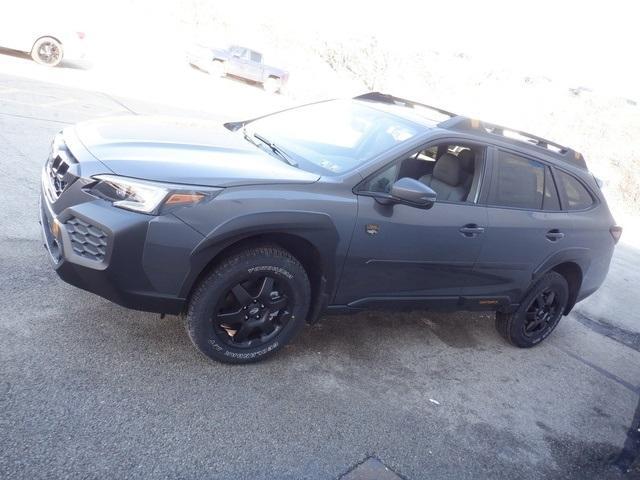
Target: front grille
<point>87,240</point>
<point>58,173</point>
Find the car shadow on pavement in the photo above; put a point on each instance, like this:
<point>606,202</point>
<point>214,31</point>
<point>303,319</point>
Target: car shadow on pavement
<point>371,334</point>
<point>364,336</point>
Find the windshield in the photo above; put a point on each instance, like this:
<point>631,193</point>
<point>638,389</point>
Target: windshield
<point>334,137</point>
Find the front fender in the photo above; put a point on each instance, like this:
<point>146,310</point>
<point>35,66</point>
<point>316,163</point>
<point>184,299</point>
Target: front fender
<point>315,227</point>
<point>220,55</point>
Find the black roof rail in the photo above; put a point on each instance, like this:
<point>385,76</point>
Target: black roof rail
<point>390,99</point>
<point>461,123</point>
<point>516,137</point>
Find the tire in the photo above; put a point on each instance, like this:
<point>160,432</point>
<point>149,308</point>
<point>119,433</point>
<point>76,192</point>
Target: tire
<point>236,315</point>
<point>47,51</point>
<point>272,85</point>
<point>218,68</point>
<point>538,313</point>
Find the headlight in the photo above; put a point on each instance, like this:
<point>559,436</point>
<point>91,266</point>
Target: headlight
<point>145,196</point>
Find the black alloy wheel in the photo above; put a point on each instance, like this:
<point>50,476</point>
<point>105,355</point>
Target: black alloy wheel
<point>252,312</point>
<point>249,306</point>
<point>542,312</point>
<point>538,314</point>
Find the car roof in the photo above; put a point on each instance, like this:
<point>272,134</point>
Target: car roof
<point>482,131</point>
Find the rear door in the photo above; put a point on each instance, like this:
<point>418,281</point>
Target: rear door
<point>525,224</point>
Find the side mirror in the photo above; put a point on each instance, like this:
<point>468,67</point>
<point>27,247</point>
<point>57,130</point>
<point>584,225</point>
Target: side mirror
<point>410,191</point>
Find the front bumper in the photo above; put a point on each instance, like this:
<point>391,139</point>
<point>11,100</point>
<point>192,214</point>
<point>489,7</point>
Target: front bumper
<point>135,260</point>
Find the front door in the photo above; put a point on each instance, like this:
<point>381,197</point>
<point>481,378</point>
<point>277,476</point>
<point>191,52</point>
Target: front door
<point>409,254</point>
<point>403,251</point>
<point>236,61</point>
<point>253,66</point>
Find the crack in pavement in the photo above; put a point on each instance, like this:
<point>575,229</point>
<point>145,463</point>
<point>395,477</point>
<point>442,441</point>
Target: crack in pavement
<point>620,335</point>
<point>633,388</point>
<point>370,468</point>
<point>631,449</point>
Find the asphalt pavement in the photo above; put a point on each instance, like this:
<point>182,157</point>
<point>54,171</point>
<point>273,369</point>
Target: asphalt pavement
<point>91,390</point>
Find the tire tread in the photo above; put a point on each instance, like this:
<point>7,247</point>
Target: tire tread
<point>220,271</point>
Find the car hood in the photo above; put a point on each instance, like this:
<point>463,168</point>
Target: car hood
<point>181,150</point>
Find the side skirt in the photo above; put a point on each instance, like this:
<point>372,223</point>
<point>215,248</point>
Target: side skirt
<point>467,303</point>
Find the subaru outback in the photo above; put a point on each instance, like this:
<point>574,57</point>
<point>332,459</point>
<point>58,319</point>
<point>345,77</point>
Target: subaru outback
<point>251,229</point>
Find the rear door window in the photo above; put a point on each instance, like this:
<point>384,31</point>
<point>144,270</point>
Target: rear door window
<point>574,195</point>
<point>517,182</point>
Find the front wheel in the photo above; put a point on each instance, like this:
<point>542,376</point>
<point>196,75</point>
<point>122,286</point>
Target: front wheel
<point>47,51</point>
<point>218,68</point>
<point>250,306</point>
<point>538,314</point>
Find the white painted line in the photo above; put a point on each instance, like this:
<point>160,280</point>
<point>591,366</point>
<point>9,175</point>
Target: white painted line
<point>57,103</point>
<point>18,102</point>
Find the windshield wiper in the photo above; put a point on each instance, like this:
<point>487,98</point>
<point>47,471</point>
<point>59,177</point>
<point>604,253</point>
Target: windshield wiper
<point>275,149</point>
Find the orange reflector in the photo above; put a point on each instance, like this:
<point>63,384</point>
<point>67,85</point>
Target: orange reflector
<point>616,232</point>
<point>55,228</point>
<point>177,198</point>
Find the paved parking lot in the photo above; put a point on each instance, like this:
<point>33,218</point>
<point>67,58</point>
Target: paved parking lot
<point>89,389</point>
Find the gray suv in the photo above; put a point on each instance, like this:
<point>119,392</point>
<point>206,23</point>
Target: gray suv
<point>253,228</point>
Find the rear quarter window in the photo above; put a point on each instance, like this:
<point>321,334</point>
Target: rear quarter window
<point>574,195</point>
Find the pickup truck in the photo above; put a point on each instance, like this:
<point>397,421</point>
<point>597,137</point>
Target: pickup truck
<point>238,62</point>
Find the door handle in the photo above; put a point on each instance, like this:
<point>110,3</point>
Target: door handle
<point>471,230</point>
<point>554,235</point>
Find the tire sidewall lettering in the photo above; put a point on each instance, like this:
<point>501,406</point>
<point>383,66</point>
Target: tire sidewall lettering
<point>273,269</point>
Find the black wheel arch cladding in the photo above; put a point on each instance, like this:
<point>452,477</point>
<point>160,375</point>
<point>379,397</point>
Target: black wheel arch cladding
<point>313,227</point>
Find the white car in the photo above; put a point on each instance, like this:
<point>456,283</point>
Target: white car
<point>44,37</point>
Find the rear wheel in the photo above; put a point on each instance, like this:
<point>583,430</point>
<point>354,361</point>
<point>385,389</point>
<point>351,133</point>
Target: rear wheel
<point>538,314</point>
<point>250,306</point>
<point>47,51</point>
<point>272,84</point>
